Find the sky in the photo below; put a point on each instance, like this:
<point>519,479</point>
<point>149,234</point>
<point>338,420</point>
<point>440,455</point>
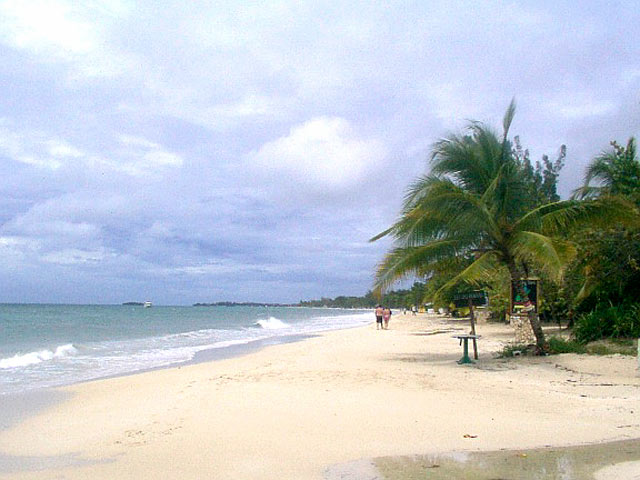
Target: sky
<point>194,151</point>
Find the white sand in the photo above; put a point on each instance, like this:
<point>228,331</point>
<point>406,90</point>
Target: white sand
<point>621,471</point>
<point>291,410</point>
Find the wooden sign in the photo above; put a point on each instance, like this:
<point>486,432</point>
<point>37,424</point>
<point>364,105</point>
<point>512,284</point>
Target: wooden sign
<point>524,296</point>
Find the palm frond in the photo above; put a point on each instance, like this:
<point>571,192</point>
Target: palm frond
<point>587,192</point>
<point>601,169</point>
<point>444,209</point>
<point>457,158</point>
<point>381,235</point>
<point>480,270</point>
<point>507,119</point>
<point>548,253</point>
<point>587,288</point>
<point>565,215</point>
<point>404,261</point>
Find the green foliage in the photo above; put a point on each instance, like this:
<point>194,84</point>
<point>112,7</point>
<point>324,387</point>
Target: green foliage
<point>612,347</point>
<point>616,172</point>
<point>543,180</point>
<point>484,211</point>
<point>608,265</point>
<point>555,303</point>
<point>562,345</point>
<point>559,345</point>
<point>498,291</point>
<point>513,350</point>
<point>394,299</point>
<point>617,321</point>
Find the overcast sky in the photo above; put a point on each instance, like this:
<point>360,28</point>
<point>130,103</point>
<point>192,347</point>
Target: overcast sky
<point>202,151</point>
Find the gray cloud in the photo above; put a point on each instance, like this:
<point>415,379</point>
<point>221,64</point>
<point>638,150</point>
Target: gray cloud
<point>183,152</point>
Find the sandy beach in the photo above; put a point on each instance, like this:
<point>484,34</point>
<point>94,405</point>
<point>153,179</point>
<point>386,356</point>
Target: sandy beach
<point>298,410</point>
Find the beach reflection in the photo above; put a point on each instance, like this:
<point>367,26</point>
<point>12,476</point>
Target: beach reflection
<point>615,460</point>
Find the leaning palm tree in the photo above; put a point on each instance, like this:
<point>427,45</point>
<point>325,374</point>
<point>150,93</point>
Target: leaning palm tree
<point>473,204</point>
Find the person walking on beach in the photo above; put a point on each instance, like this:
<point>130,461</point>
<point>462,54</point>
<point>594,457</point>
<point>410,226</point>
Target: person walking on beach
<point>386,315</point>
<point>379,314</point>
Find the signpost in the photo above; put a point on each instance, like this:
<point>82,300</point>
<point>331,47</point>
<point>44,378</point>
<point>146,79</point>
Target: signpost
<point>477,298</point>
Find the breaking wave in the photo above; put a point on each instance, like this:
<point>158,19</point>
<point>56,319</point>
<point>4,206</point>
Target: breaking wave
<point>272,323</point>
<point>33,358</point>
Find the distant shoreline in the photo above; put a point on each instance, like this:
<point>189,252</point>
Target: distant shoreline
<point>245,304</point>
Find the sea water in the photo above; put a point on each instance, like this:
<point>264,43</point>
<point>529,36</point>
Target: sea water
<point>51,345</point>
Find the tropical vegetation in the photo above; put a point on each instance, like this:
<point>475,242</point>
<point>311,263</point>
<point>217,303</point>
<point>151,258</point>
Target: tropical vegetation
<point>484,217</point>
<point>608,301</point>
<point>401,298</point>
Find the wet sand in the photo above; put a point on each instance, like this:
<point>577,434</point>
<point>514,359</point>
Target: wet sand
<point>606,461</point>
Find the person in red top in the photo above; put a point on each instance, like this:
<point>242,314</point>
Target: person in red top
<point>386,315</point>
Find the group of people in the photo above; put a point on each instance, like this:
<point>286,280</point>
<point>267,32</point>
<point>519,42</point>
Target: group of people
<point>383,315</point>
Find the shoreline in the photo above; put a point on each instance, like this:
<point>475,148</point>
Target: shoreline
<point>292,410</point>
<point>151,351</point>
<point>18,406</point>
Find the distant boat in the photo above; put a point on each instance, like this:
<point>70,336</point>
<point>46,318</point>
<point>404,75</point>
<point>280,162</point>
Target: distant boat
<point>147,304</point>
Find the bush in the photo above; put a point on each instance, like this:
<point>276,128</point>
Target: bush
<point>612,347</point>
<point>556,345</point>
<point>561,345</point>
<point>514,350</point>
<point>608,321</point>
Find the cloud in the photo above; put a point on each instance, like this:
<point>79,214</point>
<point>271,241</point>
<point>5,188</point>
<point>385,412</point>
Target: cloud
<point>323,154</point>
<point>35,148</point>
<point>132,155</point>
<point>75,256</point>
<point>65,31</point>
<point>142,157</point>
<point>47,28</point>
<point>243,151</point>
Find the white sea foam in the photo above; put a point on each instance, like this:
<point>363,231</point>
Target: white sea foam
<point>33,358</point>
<point>152,343</point>
<point>65,351</point>
<point>272,323</point>
<point>229,343</point>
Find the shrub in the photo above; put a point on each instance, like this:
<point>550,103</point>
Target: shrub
<point>612,347</point>
<point>561,345</point>
<point>607,320</point>
<point>514,350</point>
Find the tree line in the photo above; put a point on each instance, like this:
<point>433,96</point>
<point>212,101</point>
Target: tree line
<point>398,299</point>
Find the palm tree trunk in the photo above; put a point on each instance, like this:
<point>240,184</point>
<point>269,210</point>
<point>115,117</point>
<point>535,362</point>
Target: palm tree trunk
<point>536,326</point>
<point>534,319</point>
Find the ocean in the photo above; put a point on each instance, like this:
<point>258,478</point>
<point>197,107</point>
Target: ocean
<point>45,346</point>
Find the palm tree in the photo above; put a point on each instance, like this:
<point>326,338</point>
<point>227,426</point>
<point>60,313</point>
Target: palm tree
<point>615,173</point>
<point>473,205</point>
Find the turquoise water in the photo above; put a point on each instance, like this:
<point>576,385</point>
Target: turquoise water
<point>51,345</point>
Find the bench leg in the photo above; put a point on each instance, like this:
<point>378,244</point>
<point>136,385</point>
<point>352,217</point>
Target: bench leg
<point>465,353</point>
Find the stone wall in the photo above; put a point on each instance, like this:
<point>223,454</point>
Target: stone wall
<point>523,331</point>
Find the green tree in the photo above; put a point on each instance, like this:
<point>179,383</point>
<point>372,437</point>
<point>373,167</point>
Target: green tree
<point>609,260</point>
<point>542,181</point>
<point>475,204</point>
<point>616,172</point>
